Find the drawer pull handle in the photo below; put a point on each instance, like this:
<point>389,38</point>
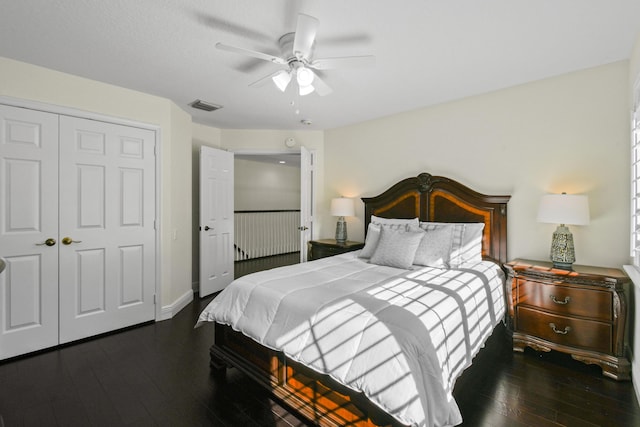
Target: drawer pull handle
<point>565,332</point>
<point>566,300</point>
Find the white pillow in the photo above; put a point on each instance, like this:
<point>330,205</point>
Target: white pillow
<point>466,241</point>
<point>371,241</point>
<point>435,248</point>
<point>396,248</point>
<point>471,248</point>
<point>395,221</point>
<point>373,233</point>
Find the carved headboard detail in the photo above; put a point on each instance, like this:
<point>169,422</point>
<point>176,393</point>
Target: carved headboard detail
<point>440,199</point>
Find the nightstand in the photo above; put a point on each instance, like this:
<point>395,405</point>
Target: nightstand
<point>581,312</point>
<point>329,247</point>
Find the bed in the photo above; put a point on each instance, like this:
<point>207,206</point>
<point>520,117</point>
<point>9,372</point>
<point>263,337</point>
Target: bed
<point>361,339</point>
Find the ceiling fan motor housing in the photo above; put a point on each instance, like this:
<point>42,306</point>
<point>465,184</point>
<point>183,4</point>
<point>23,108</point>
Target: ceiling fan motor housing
<point>286,49</point>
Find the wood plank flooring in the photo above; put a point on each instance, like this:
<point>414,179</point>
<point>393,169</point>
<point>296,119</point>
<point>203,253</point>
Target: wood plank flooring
<point>258,264</point>
<point>158,375</point>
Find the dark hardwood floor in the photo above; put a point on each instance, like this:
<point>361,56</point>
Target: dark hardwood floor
<point>257,264</point>
<point>158,375</point>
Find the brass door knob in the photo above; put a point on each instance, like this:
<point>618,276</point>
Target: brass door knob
<point>69,240</point>
<point>48,242</point>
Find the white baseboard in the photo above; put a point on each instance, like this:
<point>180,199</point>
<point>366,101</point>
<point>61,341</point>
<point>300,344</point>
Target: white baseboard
<point>168,311</point>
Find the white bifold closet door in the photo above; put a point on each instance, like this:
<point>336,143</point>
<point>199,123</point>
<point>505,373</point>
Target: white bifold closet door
<point>28,219</point>
<point>77,232</point>
<point>107,236</point>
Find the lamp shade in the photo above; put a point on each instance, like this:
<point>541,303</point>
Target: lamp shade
<point>282,80</point>
<point>570,209</point>
<point>342,207</point>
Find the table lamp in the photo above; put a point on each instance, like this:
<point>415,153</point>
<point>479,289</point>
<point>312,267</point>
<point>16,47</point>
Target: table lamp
<point>564,209</point>
<point>342,207</point>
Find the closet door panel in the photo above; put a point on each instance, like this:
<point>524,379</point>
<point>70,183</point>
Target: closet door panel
<point>107,177</point>
<point>91,291</point>
<point>91,197</point>
<point>131,280</point>
<point>28,230</point>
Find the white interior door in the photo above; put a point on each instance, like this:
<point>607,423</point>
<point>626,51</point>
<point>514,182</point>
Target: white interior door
<point>306,200</point>
<point>216,220</point>
<point>107,230</point>
<point>28,219</point>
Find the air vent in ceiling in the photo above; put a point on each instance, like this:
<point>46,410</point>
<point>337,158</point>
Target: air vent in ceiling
<point>206,106</point>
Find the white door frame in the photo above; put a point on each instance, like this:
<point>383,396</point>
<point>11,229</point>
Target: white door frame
<point>307,200</point>
<point>67,111</point>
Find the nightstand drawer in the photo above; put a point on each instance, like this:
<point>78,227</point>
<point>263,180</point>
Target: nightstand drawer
<point>331,250</point>
<point>583,302</point>
<point>572,332</point>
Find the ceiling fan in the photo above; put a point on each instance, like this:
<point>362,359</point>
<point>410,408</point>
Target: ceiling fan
<point>297,55</point>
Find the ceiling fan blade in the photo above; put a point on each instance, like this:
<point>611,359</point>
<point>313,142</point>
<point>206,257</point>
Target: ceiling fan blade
<point>253,53</point>
<point>320,86</point>
<point>266,79</point>
<point>306,30</point>
<point>343,62</point>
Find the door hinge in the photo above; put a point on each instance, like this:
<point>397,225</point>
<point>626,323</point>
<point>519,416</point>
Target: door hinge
<point>154,299</point>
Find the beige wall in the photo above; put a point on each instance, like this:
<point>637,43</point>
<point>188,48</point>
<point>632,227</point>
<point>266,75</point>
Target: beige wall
<point>265,186</point>
<point>566,133</point>
<point>24,81</point>
<point>634,64</point>
<point>180,204</point>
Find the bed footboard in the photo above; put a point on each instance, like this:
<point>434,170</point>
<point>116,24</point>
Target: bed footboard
<point>317,398</point>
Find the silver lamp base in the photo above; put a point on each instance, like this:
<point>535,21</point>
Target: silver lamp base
<point>341,230</point>
<point>563,253</point>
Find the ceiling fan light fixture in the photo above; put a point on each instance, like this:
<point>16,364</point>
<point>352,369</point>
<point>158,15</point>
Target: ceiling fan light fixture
<point>306,90</point>
<point>304,76</point>
<point>297,54</point>
<point>282,80</point>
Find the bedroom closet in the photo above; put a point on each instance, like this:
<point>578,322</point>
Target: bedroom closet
<point>77,228</point>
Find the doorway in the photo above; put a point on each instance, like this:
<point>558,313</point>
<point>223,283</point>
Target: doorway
<point>267,210</point>
<point>306,159</point>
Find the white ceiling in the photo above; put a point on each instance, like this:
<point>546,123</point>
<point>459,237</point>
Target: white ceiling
<point>427,51</point>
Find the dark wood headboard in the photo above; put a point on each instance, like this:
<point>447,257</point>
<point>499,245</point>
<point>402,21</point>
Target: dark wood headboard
<point>440,199</point>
